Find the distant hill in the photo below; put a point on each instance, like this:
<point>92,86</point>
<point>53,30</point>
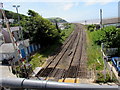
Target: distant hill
<point>59,20</point>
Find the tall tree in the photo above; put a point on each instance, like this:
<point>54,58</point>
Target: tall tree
<point>40,30</point>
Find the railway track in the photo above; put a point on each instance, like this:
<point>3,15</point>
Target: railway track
<point>53,57</point>
<point>66,63</point>
<point>75,62</point>
<point>49,68</point>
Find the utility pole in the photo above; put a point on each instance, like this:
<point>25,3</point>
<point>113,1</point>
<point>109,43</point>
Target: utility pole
<point>101,18</point>
<point>10,33</point>
<point>21,32</point>
<point>85,22</point>
<point>104,60</point>
<point>17,6</point>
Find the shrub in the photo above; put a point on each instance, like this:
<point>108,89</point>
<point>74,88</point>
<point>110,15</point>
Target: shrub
<point>110,36</point>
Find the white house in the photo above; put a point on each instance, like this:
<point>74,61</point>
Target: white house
<point>26,49</point>
<point>6,51</point>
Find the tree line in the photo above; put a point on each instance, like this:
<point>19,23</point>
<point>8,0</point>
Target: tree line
<point>40,30</point>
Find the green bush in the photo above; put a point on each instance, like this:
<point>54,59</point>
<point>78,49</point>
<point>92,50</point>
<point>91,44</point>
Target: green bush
<point>100,78</point>
<point>110,36</point>
<point>91,27</point>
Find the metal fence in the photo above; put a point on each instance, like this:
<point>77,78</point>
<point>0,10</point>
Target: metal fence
<point>25,84</point>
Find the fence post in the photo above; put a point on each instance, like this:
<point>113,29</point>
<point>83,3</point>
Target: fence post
<point>111,73</point>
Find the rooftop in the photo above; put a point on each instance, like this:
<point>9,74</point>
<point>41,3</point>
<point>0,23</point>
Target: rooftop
<point>12,29</point>
<point>8,47</point>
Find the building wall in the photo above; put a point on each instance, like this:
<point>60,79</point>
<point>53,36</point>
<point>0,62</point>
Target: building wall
<point>6,36</point>
<point>25,52</point>
<point>1,39</point>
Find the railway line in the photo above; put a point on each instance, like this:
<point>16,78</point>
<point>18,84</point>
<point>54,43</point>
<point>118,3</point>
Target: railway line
<point>69,61</point>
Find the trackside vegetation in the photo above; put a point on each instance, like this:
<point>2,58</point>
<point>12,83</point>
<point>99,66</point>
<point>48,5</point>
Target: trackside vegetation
<point>110,36</point>
<point>94,54</point>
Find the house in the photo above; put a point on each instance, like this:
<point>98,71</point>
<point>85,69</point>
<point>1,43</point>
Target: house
<point>26,49</point>
<point>16,32</point>
<point>3,20</point>
<point>6,51</point>
<point>61,26</point>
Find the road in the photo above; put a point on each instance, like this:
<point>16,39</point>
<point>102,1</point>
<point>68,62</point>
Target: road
<point>70,61</point>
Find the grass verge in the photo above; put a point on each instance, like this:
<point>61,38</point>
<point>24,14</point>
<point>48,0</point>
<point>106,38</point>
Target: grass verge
<point>94,54</point>
<point>95,60</point>
<point>67,32</point>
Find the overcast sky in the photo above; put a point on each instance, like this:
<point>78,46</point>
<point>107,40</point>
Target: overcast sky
<point>70,10</point>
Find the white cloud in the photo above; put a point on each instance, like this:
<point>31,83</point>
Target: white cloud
<point>102,2</point>
<point>68,6</point>
<point>89,3</point>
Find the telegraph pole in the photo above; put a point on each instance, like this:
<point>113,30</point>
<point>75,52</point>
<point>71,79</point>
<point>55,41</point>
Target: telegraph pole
<point>85,22</point>
<point>101,18</point>
<point>21,32</point>
<point>17,6</point>
<point>10,33</point>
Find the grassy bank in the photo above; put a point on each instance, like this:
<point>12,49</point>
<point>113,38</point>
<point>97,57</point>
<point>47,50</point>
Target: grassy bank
<point>95,60</point>
<point>67,32</point>
<point>94,54</point>
<point>40,57</point>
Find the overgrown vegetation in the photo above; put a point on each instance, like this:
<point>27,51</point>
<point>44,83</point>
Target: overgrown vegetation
<point>110,36</point>
<point>100,78</point>
<point>94,54</point>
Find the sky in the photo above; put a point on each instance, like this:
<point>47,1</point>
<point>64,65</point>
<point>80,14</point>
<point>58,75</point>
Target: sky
<point>70,10</point>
